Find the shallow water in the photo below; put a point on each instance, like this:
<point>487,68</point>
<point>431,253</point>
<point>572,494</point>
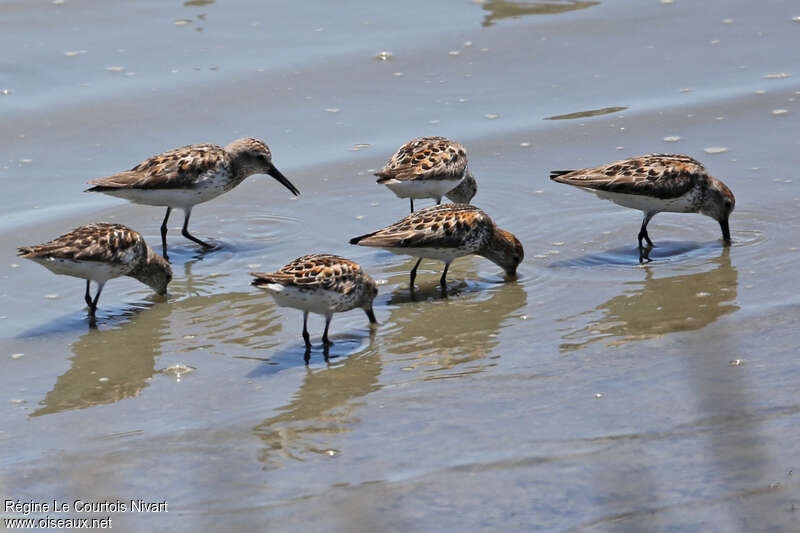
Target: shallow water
<point>591,394</point>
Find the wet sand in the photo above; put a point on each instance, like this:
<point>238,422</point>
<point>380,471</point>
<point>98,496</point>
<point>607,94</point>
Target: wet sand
<point>592,394</point>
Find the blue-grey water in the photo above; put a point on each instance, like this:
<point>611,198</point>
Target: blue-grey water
<point>591,394</point>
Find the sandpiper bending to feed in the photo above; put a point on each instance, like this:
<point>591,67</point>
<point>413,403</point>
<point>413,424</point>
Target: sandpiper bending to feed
<point>323,284</point>
<point>446,232</point>
<point>190,175</point>
<point>429,167</point>
<point>100,252</point>
<point>654,183</point>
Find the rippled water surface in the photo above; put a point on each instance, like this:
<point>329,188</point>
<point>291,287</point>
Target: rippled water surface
<point>591,394</point>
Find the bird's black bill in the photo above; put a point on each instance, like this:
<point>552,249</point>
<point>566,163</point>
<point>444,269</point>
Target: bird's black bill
<point>275,173</point>
<point>371,316</point>
<point>726,230</point>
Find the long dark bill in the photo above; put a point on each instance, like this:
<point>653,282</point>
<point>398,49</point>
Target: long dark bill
<point>726,231</point>
<point>371,316</point>
<point>275,173</point>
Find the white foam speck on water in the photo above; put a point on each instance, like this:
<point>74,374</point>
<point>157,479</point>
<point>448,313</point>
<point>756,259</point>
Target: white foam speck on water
<point>672,139</point>
<point>51,296</point>
<point>715,150</point>
<point>115,69</point>
<point>182,22</point>
<point>17,355</point>
<point>332,109</point>
<point>492,116</point>
<point>524,144</point>
<point>178,370</point>
<point>779,111</point>
<point>73,53</point>
<point>384,56</point>
<point>776,76</point>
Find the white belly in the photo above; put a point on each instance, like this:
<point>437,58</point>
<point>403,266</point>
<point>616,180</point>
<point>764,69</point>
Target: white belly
<point>439,254</point>
<point>319,301</point>
<point>422,188</point>
<point>91,270</point>
<point>649,204</point>
<point>177,198</point>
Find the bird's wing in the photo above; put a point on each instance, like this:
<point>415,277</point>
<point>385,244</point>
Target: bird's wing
<point>659,175</point>
<point>178,168</point>
<point>109,243</point>
<point>441,226</point>
<point>426,158</point>
<point>323,271</point>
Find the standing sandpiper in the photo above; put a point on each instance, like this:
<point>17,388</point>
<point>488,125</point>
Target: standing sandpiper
<point>100,252</point>
<point>190,175</point>
<point>446,232</point>
<point>429,167</point>
<point>654,183</point>
<point>323,284</point>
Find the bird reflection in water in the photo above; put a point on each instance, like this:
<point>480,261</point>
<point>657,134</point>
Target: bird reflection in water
<point>323,405</point>
<point>502,9</point>
<point>657,306</point>
<point>118,360</point>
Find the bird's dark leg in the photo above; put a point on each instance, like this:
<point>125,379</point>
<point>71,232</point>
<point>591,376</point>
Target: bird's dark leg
<point>443,279</point>
<point>412,204</point>
<point>306,336</point>
<point>188,235</point>
<point>164,233</point>
<point>414,272</point>
<point>326,352</point>
<point>645,252</point>
<point>439,201</point>
<point>325,341</point>
<point>93,305</point>
<point>88,296</point>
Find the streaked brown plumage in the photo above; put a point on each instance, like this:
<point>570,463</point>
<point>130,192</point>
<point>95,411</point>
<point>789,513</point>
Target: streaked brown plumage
<point>446,232</point>
<point>427,167</point>
<point>320,283</point>
<point>654,183</point>
<point>99,252</point>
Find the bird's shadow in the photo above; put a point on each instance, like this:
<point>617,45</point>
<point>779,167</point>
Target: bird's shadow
<point>190,252</point>
<point>78,322</point>
<point>663,251</point>
<point>431,290</point>
<point>344,345</point>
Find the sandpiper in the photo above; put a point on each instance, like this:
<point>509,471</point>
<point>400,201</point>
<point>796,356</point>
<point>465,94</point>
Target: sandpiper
<point>446,232</point>
<point>100,252</point>
<point>428,167</point>
<point>189,175</point>
<point>654,183</point>
<point>323,284</point>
